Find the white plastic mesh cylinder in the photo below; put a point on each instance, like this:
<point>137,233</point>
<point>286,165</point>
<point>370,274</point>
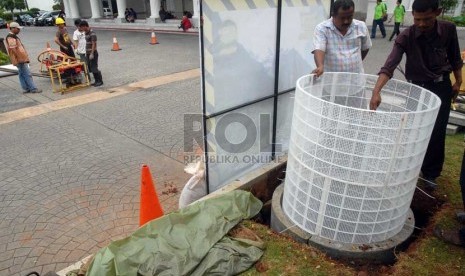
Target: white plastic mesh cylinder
<point>352,172</point>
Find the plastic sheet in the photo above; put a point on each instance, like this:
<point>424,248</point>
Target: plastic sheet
<point>190,241</point>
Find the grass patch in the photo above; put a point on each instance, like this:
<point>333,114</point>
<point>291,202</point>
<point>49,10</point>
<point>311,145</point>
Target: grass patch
<point>431,256</point>
<point>426,256</point>
<point>284,256</point>
<point>4,58</point>
<point>449,187</point>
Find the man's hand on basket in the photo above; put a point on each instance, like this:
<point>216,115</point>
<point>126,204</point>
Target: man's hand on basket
<point>318,71</point>
<point>375,100</point>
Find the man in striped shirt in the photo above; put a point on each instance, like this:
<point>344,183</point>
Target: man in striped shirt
<point>341,42</point>
<point>92,53</point>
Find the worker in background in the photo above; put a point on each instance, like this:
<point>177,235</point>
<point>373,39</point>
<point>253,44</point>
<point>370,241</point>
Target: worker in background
<point>378,18</point>
<point>63,40</point>
<point>185,23</point>
<point>79,41</point>
<point>20,59</point>
<point>341,42</point>
<point>399,13</point>
<point>92,53</point>
<point>432,50</point>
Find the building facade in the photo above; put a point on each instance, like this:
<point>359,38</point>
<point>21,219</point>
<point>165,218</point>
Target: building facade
<point>147,10</point>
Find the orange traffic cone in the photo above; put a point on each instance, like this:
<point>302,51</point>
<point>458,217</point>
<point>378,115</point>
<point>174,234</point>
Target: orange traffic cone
<point>153,39</point>
<point>48,46</point>
<point>115,44</point>
<point>150,207</point>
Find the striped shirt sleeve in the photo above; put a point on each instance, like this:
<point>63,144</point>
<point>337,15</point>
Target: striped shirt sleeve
<point>319,38</point>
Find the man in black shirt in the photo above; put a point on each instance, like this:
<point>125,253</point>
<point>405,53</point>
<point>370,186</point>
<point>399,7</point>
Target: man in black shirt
<point>432,51</point>
<point>91,53</point>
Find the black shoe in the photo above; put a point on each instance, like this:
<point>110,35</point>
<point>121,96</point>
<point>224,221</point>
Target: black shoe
<point>460,215</point>
<point>26,91</point>
<point>97,84</point>
<point>36,91</point>
<point>454,237</point>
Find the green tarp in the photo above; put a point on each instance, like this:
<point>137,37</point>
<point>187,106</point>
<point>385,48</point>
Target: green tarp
<point>190,241</point>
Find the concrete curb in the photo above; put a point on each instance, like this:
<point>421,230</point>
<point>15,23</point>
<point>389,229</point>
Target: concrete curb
<point>380,252</point>
<point>247,181</point>
<point>28,112</point>
<point>146,30</point>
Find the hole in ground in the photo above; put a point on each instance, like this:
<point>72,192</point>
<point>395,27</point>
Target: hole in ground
<point>423,207</point>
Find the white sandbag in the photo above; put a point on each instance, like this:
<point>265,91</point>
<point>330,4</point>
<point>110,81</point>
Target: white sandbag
<point>196,187</point>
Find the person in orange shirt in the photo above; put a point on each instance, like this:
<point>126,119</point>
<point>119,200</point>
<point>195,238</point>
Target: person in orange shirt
<point>20,59</point>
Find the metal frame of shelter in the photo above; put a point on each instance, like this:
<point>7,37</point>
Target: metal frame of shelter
<point>276,93</point>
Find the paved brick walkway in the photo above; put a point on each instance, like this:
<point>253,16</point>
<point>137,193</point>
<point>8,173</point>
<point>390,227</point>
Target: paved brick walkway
<point>138,60</point>
<point>70,178</point>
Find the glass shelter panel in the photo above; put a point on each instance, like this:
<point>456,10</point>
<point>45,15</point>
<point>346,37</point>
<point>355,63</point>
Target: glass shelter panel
<point>241,73</point>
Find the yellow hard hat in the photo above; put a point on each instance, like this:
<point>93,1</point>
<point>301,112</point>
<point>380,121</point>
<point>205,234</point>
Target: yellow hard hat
<point>59,20</point>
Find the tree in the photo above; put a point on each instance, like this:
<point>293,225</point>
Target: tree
<point>58,3</point>
<point>13,4</point>
<point>19,4</point>
<point>8,5</point>
<point>447,5</point>
<point>34,11</point>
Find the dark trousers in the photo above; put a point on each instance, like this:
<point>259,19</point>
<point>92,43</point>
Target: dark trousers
<point>376,23</point>
<point>92,66</point>
<point>462,180</point>
<point>396,30</point>
<point>434,158</point>
<point>83,58</point>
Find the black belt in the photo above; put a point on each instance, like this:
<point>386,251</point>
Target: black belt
<point>430,82</point>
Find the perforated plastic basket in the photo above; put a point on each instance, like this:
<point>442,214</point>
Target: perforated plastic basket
<point>352,172</point>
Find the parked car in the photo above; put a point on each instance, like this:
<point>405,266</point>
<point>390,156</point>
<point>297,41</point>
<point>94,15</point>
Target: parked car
<point>27,19</point>
<point>40,21</point>
<point>107,12</point>
<point>50,21</point>
<point>2,23</point>
<point>23,19</point>
<point>36,16</point>
<point>38,13</point>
